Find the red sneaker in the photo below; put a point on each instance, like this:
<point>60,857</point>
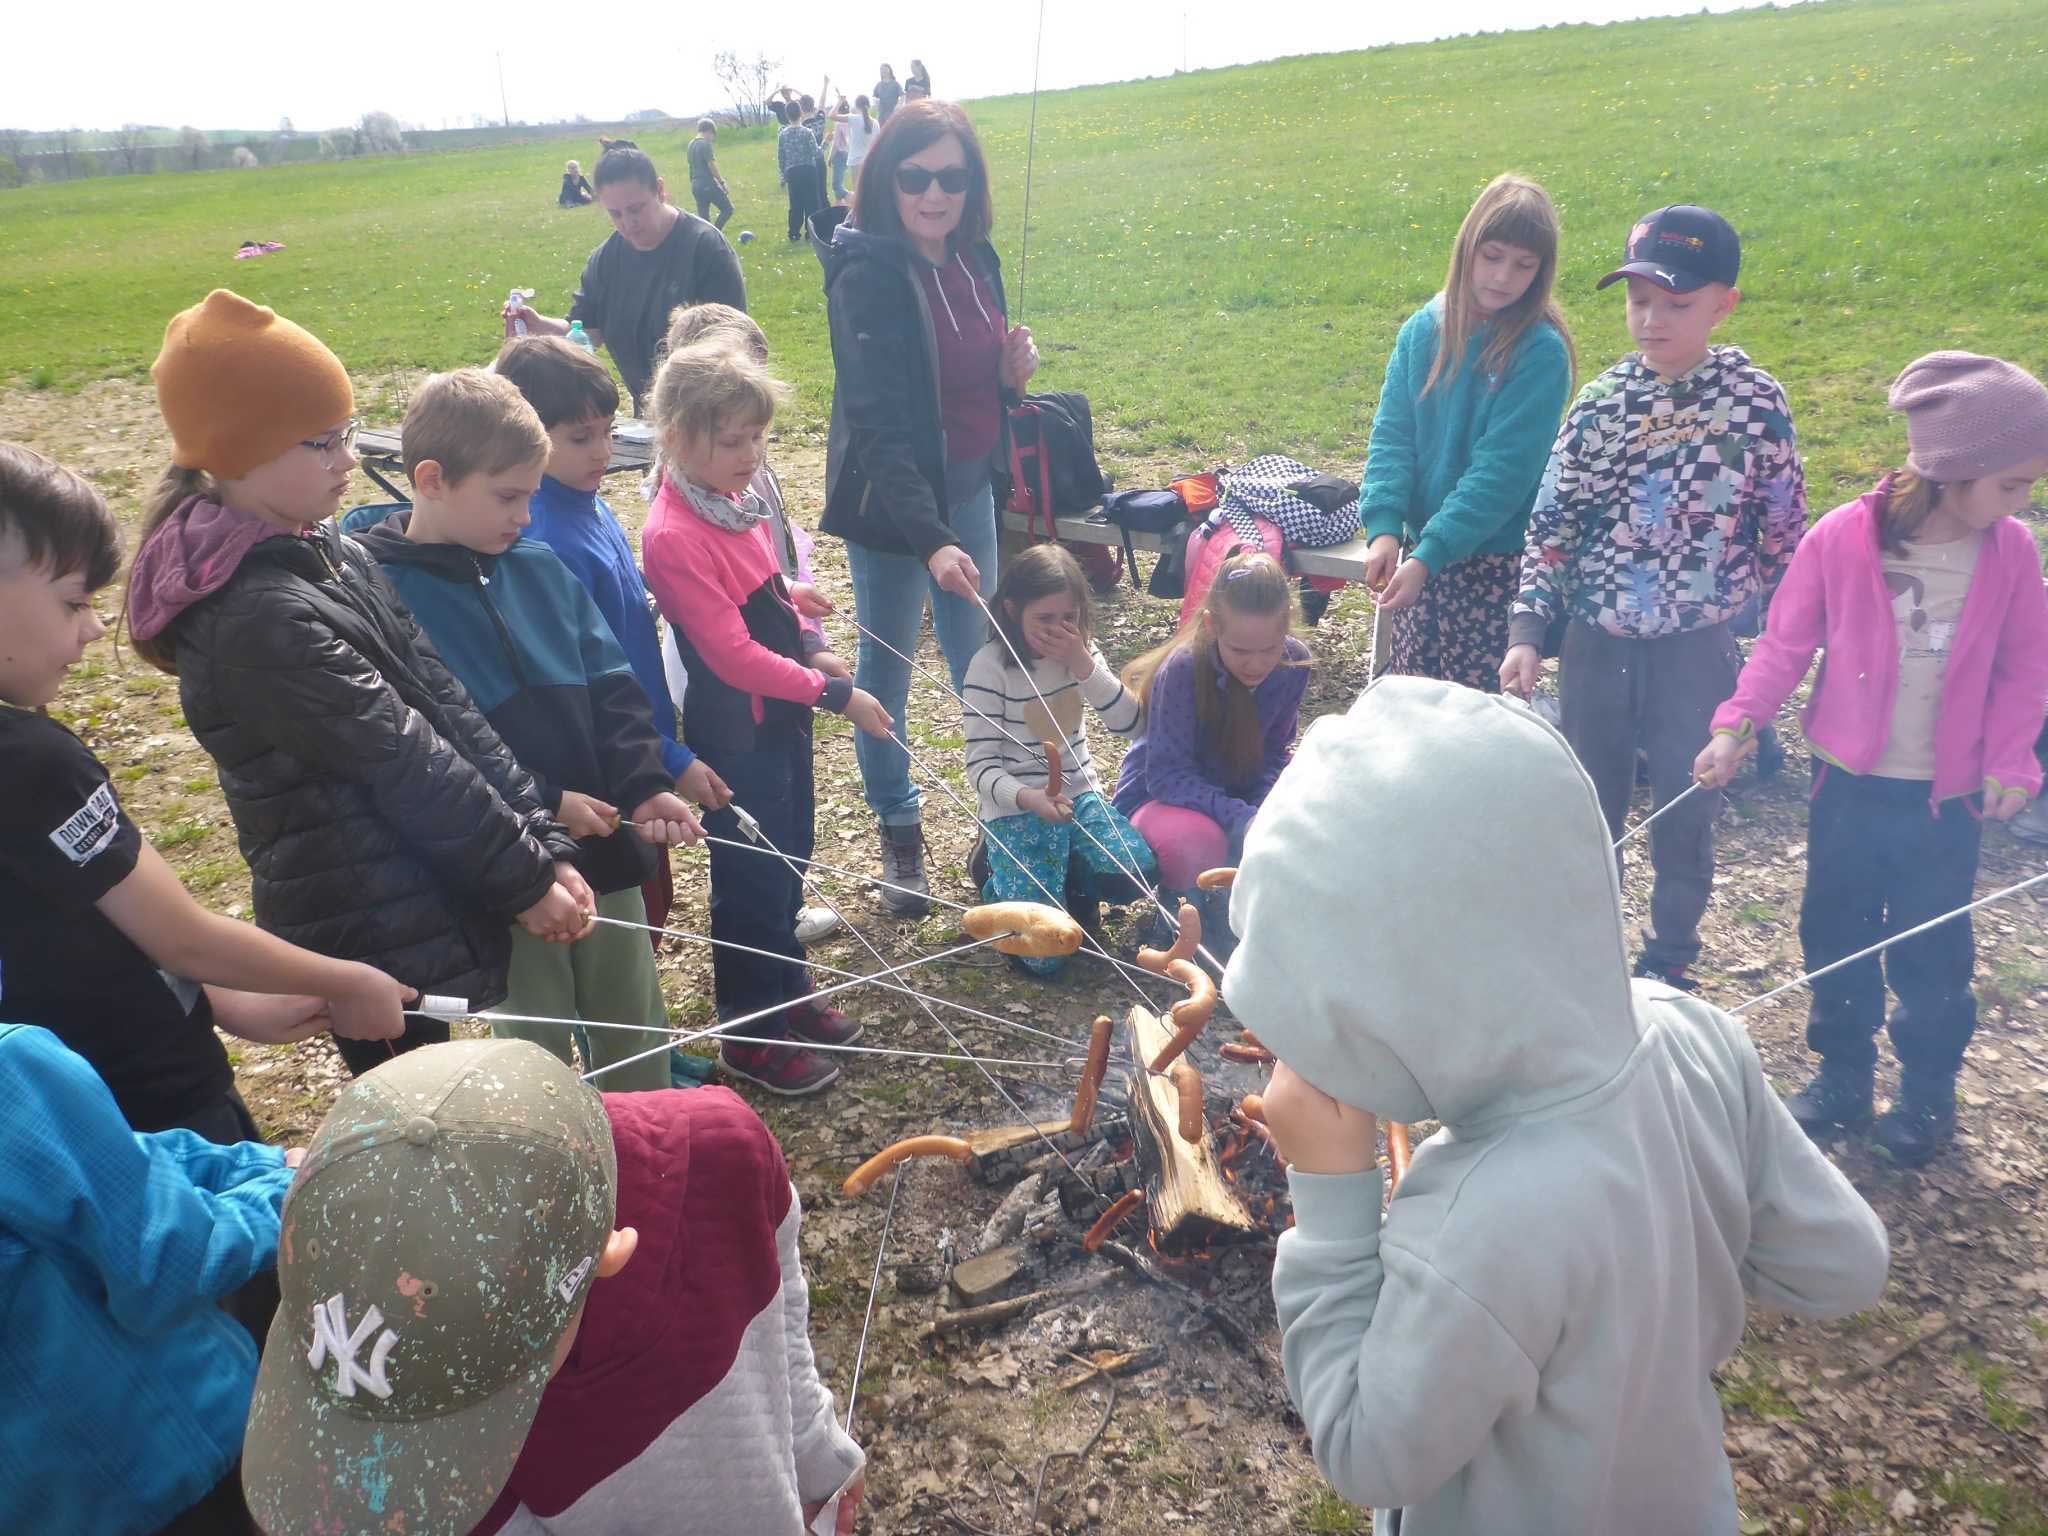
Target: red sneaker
<point>787,1070</point>
<point>822,1025</point>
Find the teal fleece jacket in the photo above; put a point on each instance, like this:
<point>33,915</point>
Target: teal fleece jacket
<point>1455,472</point>
<point>1526,1342</point>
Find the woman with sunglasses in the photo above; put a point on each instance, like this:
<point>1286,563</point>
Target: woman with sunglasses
<point>925,364</point>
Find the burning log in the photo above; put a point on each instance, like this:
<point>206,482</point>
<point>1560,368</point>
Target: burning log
<point>1191,1202</point>
<point>1002,1152</point>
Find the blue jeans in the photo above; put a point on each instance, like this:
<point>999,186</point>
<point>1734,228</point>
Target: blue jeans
<point>889,593</point>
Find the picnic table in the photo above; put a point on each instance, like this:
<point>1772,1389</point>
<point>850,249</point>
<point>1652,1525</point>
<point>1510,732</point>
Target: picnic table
<point>381,452</point>
<point>1346,560</point>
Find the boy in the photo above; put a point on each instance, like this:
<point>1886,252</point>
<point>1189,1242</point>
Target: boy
<point>575,397</point>
<point>537,657</point>
<point>1674,497</point>
<point>127,1383</point>
<point>1525,1343</point>
<point>405,1372</point>
<point>706,185</point>
<point>99,942</point>
<point>801,164</point>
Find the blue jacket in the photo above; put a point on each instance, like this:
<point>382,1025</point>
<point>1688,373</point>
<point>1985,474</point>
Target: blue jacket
<point>546,670</point>
<point>124,1388</point>
<point>581,530</point>
<point>1457,470</point>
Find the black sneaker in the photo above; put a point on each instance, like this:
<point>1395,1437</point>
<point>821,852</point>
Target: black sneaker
<point>1921,1121</point>
<point>978,869</point>
<point>907,892</point>
<point>1670,975</point>
<point>1837,1099</point>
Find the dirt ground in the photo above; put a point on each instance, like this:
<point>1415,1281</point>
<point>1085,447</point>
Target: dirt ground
<point>1925,1414</point>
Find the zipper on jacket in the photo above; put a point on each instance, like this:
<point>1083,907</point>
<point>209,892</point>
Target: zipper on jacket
<point>483,583</point>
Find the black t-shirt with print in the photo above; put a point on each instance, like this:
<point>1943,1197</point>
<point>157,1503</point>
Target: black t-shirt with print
<point>627,295</point>
<point>64,843</point>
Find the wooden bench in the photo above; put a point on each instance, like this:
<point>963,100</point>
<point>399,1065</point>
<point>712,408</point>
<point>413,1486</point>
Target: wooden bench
<point>1346,560</point>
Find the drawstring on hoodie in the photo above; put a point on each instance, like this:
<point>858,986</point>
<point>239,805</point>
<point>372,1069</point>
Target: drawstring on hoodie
<point>973,288</point>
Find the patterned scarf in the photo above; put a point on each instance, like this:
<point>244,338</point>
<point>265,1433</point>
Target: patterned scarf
<point>735,514</point>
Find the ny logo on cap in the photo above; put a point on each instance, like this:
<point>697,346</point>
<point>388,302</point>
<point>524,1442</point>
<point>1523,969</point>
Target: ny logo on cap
<point>331,1336</point>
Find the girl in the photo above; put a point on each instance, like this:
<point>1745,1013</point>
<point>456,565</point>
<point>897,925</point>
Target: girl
<point>99,942</point>
<point>1221,701</point>
<point>887,93</point>
<point>1926,594</point>
<point>382,817</point>
<point>1479,378</point>
<point>747,707</point>
<point>1042,607</point>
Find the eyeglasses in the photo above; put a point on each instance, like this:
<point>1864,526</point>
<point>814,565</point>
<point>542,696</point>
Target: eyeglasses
<point>334,443</point>
<point>911,180</point>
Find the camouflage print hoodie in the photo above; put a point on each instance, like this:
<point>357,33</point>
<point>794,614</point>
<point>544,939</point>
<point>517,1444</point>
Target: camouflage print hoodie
<point>1668,504</point>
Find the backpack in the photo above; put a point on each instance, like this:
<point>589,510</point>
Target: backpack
<point>1053,472</point>
<point>1264,488</point>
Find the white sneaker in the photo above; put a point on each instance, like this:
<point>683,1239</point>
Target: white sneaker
<point>2031,825</point>
<point>813,923</point>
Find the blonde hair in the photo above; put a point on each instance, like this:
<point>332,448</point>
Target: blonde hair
<point>471,421</point>
<point>1513,210</point>
<point>1909,500</point>
<point>1250,585</point>
<point>703,387</point>
<point>689,324</point>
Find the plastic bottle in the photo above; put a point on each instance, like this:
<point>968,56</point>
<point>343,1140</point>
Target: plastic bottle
<point>514,326</point>
<point>578,337</point>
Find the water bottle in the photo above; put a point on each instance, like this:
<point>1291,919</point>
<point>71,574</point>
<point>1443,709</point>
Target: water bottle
<point>578,337</point>
<point>514,326</point>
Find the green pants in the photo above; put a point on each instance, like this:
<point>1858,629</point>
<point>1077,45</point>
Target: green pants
<point>607,977</point>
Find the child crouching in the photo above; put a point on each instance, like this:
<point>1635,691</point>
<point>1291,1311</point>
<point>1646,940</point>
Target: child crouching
<point>1011,718</point>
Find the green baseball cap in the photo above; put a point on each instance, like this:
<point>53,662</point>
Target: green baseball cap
<point>440,1236</point>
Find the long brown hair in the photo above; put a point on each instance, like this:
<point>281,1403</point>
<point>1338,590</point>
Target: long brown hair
<point>1043,570</point>
<point>173,490</point>
<point>1251,585</point>
<point>1908,501</point>
<point>1513,210</point>
<point>913,127</point>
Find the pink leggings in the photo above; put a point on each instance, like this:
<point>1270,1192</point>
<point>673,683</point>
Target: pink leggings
<point>1187,842</point>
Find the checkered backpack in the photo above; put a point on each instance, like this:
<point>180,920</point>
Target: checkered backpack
<point>1259,489</point>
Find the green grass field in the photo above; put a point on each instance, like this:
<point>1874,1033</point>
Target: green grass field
<point>1221,260</point>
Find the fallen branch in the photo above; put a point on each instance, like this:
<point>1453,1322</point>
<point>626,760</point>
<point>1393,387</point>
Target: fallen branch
<point>1899,1352</point>
<point>1108,1363</point>
<point>1038,1490</point>
<point>955,1320</point>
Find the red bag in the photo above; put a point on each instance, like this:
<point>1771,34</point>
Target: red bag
<point>1201,493</point>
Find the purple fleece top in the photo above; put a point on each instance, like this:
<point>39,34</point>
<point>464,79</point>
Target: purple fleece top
<point>1171,763</point>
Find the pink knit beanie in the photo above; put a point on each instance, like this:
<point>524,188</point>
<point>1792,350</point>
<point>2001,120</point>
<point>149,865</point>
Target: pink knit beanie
<point>1969,416</point>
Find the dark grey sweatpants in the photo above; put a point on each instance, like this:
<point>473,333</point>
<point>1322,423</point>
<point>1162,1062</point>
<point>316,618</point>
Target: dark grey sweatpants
<point>1660,696</point>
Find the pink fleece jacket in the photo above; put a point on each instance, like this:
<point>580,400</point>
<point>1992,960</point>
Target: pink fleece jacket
<point>1834,596</point>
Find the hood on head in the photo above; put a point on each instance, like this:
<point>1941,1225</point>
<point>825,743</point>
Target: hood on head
<point>1429,917</point>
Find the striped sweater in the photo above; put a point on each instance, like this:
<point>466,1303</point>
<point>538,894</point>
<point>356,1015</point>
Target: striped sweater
<point>1004,758</point>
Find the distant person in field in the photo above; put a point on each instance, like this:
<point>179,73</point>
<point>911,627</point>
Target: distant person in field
<point>920,83</point>
<point>796,160</point>
<point>575,188</point>
<point>707,186</point>
<point>656,257</point>
<point>838,116</point>
<point>888,91</point>
<point>916,90</point>
<point>1474,391</point>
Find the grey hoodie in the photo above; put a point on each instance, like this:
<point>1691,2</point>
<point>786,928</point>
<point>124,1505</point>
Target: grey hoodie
<point>1524,1345</point>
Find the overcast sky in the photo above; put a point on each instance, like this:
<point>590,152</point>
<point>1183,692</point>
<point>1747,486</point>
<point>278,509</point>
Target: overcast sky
<point>434,63</point>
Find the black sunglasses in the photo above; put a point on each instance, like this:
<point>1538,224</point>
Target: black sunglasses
<point>911,180</point>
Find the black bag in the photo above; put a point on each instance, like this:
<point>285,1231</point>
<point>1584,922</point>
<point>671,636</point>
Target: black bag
<point>1161,512</point>
<point>1053,472</point>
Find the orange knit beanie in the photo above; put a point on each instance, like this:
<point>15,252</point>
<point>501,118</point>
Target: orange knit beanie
<point>239,385</point>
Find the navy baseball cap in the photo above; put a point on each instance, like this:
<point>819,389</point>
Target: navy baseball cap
<point>1682,248</point>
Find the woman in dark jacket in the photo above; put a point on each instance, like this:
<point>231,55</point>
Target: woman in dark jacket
<point>575,188</point>
<point>925,367</point>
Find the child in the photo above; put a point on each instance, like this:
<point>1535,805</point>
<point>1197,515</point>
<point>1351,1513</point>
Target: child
<point>798,161</point>
<point>749,701</point>
<point>576,399</point>
<point>1009,718</point>
<point>127,1382</point>
<point>1479,377</point>
<point>381,816</point>
<point>707,186</point>
<point>1221,702</point>
<point>687,325</point>
<point>639,1249</point>
<point>99,942</point>
<point>1525,1342</point>
<point>537,657</point>
<point>1926,593</point>
<point>1674,496</point>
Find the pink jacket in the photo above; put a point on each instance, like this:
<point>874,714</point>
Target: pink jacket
<point>1834,596</point>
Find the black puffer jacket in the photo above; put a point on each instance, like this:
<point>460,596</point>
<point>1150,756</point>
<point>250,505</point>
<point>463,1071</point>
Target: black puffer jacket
<point>885,453</point>
<point>382,818</point>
